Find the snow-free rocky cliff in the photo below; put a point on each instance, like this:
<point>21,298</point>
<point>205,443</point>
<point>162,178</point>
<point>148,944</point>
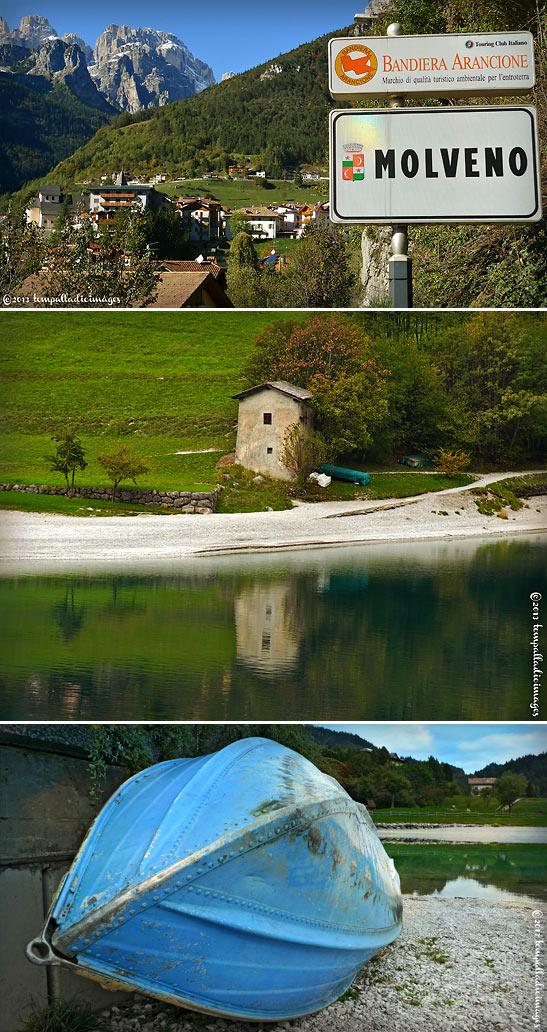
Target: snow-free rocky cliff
<point>65,62</point>
<point>131,68</point>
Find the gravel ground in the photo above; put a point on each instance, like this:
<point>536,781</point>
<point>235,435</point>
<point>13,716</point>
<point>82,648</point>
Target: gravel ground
<point>28,540</point>
<point>461,965</point>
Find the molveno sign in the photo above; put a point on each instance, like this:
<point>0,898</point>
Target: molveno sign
<point>433,66</point>
<point>434,165</point>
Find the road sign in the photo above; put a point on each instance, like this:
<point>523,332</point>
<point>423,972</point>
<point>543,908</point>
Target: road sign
<point>372,67</point>
<point>434,165</point>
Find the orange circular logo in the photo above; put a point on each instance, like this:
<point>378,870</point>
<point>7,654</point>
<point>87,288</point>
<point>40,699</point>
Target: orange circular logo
<point>356,64</point>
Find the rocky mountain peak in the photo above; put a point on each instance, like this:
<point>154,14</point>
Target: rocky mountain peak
<point>65,62</point>
<point>35,30</point>
<point>132,68</point>
<point>140,68</point>
<point>87,51</point>
<point>32,32</point>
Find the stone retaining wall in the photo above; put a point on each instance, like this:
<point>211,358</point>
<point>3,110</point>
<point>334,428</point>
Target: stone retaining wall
<point>177,501</point>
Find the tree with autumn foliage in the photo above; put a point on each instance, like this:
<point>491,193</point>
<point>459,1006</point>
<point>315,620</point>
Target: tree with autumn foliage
<point>122,465</point>
<point>320,273</point>
<point>337,363</point>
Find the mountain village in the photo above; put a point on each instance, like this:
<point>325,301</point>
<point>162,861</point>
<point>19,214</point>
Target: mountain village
<point>208,223</point>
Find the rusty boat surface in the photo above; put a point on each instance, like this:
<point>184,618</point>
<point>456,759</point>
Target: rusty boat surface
<point>245,884</point>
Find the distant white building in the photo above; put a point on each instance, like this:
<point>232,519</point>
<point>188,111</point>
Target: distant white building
<point>51,203</point>
<point>290,218</point>
<point>264,223</point>
<point>480,784</point>
<point>105,200</point>
<point>204,219</point>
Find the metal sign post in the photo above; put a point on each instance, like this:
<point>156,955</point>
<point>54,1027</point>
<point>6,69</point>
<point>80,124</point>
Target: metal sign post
<point>400,265</point>
<point>405,165</point>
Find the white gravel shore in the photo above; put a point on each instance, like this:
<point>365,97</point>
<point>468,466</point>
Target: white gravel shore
<point>459,965</point>
<point>31,539</point>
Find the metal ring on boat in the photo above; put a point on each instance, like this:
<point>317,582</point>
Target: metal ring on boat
<point>39,951</point>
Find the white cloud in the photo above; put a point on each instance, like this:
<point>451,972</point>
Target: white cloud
<point>511,744</point>
<point>499,747</point>
<point>408,739</point>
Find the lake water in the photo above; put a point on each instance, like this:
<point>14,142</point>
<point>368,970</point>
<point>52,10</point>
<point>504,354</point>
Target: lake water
<point>491,872</point>
<point>428,631</point>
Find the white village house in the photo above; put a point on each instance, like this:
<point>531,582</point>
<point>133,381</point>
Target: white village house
<point>265,413</point>
<point>480,784</point>
<point>264,223</point>
<point>52,203</point>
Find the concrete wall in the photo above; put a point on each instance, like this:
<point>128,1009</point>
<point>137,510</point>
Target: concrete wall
<point>254,437</point>
<point>45,811</point>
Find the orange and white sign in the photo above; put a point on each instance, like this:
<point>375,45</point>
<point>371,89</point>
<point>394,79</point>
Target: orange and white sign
<point>450,65</point>
<point>356,64</point>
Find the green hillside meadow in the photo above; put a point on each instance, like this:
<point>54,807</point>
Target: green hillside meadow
<point>40,124</point>
<point>158,385</point>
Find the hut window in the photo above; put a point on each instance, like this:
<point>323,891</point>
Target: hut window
<point>268,418</point>
<point>269,451</point>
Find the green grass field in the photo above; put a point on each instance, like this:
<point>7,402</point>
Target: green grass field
<point>241,193</point>
<point>159,383</point>
<point>20,502</point>
<point>529,812</point>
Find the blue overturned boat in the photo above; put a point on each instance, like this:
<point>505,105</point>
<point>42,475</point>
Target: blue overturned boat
<point>245,884</point>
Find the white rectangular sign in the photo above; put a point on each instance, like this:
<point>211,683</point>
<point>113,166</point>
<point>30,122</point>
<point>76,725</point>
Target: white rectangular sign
<point>372,67</point>
<point>434,165</point>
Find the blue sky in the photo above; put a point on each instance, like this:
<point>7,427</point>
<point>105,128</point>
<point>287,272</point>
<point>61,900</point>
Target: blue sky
<point>228,36</point>
<point>470,746</point>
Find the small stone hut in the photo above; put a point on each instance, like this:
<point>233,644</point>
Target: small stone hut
<point>265,413</point>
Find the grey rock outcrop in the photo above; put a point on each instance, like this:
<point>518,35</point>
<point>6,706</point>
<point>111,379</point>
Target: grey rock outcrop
<point>12,54</point>
<point>375,250</point>
<point>32,33</point>
<point>87,51</point>
<point>141,68</point>
<point>64,62</point>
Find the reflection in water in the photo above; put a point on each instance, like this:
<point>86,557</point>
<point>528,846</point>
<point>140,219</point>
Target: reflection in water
<point>471,889</point>
<point>267,628</point>
<point>482,872</point>
<point>67,614</point>
<point>427,631</point>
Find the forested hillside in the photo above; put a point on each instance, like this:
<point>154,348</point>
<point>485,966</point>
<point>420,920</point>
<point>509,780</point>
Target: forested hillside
<point>340,739</point>
<point>276,112</point>
<point>533,767</point>
<point>40,123</point>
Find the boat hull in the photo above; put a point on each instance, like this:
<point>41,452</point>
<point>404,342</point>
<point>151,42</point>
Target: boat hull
<point>246,884</point>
